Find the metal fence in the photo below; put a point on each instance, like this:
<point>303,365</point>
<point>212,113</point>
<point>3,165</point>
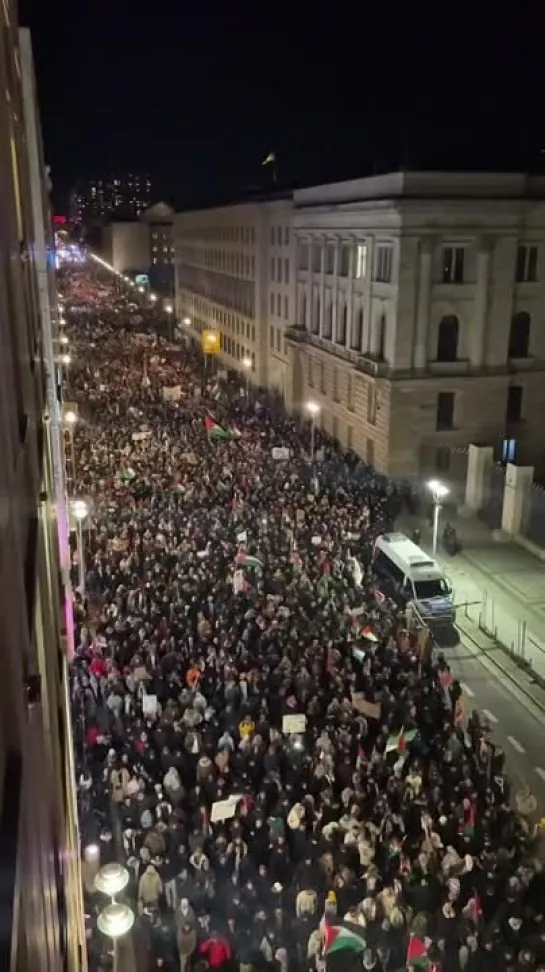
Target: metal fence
<point>491,511</point>
<point>510,632</point>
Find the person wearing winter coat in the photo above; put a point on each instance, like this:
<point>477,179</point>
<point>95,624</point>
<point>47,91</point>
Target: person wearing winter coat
<point>186,939</point>
<point>306,903</point>
<point>150,889</point>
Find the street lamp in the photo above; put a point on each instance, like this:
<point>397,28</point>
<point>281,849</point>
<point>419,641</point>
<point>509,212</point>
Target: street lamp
<point>313,409</point>
<point>140,290</point>
<point>63,339</point>
<point>112,879</point>
<point>70,417</point>
<point>247,364</point>
<point>80,510</point>
<point>153,298</point>
<point>169,309</point>
<point>115,921</point>
<point>187,321</point>
<point>65,360</point>
<point>438,491</point>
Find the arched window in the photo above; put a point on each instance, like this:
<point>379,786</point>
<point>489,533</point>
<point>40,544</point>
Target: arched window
<point>342,323</point>
<point>447,338</point>
<point>357,330</point>
<point>519,335</point>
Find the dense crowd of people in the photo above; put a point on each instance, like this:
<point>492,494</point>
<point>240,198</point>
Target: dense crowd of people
<point>281,765</point>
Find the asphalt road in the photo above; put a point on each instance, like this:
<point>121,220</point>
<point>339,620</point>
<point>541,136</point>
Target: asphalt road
<point>518,726</point>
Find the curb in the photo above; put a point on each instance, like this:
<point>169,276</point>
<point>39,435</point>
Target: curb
<point>507,674</point>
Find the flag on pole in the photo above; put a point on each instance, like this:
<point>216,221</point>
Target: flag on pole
<point>270,159</point>
<point>343,936</point>
<point>417,953</point>
<point>398,742</point>
<point>215,432</point>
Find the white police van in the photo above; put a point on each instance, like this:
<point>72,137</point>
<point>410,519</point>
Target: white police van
<point>408,574</point>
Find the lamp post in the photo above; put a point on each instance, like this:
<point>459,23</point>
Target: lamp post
<point>112,879</point>
<point>438,491</point>
<point>313,409</point>
<point>80,509</point>
<point>115,921</point>
<point>70,419</point>
<point>247,365</point>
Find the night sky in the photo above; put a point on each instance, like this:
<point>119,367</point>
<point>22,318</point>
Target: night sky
<point>198,93</point>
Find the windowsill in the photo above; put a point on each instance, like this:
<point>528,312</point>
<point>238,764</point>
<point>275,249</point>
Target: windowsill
<point>459,364</point>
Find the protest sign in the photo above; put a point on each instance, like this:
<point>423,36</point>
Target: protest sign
<point>172,394</point>
<point>140,436</point>
<point>223,810</point>
<point>371,710</point>
<point>281,453</point>
<point>242,537</point>
<point>294,724</point>
<point>149,706</point>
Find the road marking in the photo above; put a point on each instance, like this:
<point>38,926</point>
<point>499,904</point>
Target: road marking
<point>540,772</point>
<point>515,744</point>
<point>488,715</point>
<point>467,691</point>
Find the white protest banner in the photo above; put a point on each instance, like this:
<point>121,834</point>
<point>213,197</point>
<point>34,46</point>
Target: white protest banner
<point>149,706</point>
<point>294,724</point>
<point>140,436</point>
<point>242,537</point>
<point>172,394</point>
<point>316,541</point>
<point>280,453</point>
<point>238,582</point>
<point>221,373</point>
<point>223,810</point>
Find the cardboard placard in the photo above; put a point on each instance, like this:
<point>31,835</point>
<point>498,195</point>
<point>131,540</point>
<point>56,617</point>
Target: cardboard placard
<point>172,394</point>
<point>371,710</point>
<point>190,458</point>
<point>223,810</point>
<point>140,436</point>
<point>294,724</point>
<point>281,453</point>
<point>242,537</point>
<point>149,706</point>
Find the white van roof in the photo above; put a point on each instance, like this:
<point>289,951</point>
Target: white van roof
<point>408,557</point>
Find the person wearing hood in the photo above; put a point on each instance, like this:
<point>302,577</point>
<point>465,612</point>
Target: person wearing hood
<point>150,889</point>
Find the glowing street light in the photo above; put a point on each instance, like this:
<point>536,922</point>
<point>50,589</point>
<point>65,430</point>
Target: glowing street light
<point>313,409</point>
<point>80,511</point>
<point>140,290</point>
<point>187,321</point>
<point>169,309</point>
<point>247,365</point>
<point>115,920</point>
<point>65,360</point>
<point>63,339</point>
<point>153,297</point>
<point>438,491</point>
<point>112,879</point>
<point>70,417</point>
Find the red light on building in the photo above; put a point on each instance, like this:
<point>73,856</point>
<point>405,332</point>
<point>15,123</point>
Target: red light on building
<point>59,220</point>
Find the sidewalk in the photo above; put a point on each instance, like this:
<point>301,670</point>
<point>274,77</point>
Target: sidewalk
<point>498,586</point>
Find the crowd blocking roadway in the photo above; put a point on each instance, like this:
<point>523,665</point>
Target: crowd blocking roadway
<point>280,765</point>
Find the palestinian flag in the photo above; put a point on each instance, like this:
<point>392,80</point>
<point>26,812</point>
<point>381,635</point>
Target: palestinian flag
<point>368,634</point>
<point>128,475</point>
<point>358,655</point>
<point>473,909</point>
<point>398,742</point>
<point>343,936</point>
<point>417,954</point>
<point>249,562</point>
<point>215,432</point>
<point>468,827</point>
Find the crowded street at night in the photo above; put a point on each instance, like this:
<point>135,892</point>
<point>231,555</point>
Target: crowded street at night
<point>271,757</point>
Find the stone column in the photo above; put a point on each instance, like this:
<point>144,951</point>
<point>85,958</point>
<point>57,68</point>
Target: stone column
<point>322,288</point>
<point>480,461</point>
<point>335,294</point>
<point>350,294</point>
<point>309,286</point>
<point>420,356</point>
<point>516,497</point>
<point>477,333</point>
<point>368,298</point>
